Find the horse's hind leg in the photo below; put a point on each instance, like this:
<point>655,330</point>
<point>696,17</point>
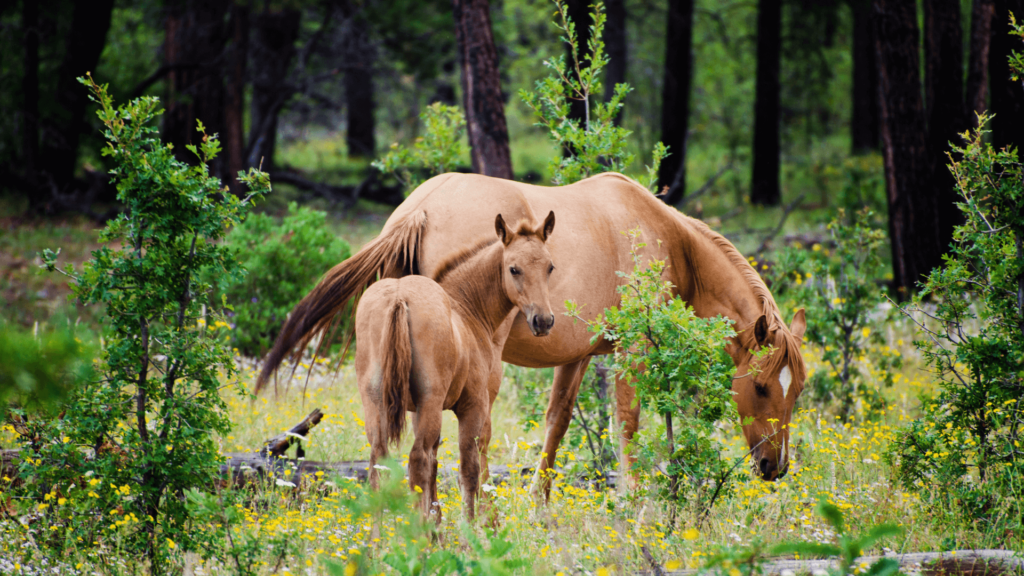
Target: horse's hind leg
<point>559,414</point>
<point>422,457</point>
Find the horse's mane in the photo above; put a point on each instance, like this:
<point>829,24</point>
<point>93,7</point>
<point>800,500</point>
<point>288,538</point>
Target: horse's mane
<point>785,341</point>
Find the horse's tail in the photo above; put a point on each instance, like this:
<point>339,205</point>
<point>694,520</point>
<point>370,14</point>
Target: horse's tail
<point>390,255</point>
<point>396,365</point>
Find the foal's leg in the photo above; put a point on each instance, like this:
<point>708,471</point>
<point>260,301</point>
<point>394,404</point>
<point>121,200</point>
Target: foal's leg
<point>422,458</point>
<point>559,414</point>
<point>471,425</point>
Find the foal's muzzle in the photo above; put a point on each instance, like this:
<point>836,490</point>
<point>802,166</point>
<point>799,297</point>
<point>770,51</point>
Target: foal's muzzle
<point>540,324</point>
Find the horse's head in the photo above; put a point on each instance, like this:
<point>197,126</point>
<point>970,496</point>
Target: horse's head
<point>526,268</point>
<point>767,388</point>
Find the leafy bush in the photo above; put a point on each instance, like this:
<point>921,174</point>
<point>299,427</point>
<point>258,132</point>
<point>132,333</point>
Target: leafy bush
<point>838,289</point>
<point>132,441</point>
<point>436,152</point>
<point>39,370</point>
<point>596,144</point>
<point>681,371</point>
<point>284,262</point>
<point>964,453</point>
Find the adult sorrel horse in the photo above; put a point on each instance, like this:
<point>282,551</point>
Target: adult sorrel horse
<point>426,346</point>
<point>707,271</point>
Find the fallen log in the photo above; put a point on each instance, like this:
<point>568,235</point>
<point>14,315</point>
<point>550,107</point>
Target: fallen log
<point>955,562</point>
<point>269,463</point>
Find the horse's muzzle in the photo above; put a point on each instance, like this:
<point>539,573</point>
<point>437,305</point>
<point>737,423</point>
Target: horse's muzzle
<point>540,324</point>
<point>771,469</point>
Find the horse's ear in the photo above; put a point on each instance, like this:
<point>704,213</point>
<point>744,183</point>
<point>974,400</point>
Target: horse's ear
<point>549,225</point>
<point>761,330</point>
<point>799,324</point>
<point>501,229</point>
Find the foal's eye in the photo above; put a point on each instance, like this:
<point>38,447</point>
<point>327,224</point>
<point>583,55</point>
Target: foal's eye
<point>551,269</point>
<point>514,271</point>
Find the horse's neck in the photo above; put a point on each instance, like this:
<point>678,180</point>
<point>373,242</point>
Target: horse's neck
<point>713,283</point>
<point>477,289</point>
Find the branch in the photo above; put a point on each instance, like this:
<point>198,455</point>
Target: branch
<point>778,228</point>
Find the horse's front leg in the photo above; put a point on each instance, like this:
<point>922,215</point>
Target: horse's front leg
<point>628,413</point>
<point>472,418</point>
<point>563,398</point>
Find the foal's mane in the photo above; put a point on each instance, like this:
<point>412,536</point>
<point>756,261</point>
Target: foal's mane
<point>784,340</point>
<point>453,261</point>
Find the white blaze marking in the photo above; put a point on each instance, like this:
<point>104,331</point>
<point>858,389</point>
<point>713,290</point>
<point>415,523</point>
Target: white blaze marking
<point>785,379</point>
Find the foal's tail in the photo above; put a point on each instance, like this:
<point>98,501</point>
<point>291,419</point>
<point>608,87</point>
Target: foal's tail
<point>390,255</point>
<point>396,364</point>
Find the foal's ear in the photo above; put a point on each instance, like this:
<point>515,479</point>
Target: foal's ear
<point>549,225</point>
<point>502,230</point>
<point>799,324</point>
<point>761,330</point>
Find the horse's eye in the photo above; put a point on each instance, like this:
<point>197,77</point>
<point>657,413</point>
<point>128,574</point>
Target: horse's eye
<point>551,269</point>
<point>514,271</point>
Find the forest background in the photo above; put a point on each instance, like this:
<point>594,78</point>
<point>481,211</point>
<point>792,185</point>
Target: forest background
<point>777,114</point>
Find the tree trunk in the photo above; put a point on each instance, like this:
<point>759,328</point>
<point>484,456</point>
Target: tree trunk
<point>765,181</point>
<point>944,106</point>
<point>481,89</point>
<point>62,130</point>
<point>360,59</point>
<point>30,90</point>
<point>675,98</point>
<point>913,213</point>
<point>275,33</point>
<point>982,12</point>
<point>234,104</point>
<point>1007,95</point>
<point>196,36</point>
<point>579,14</point>
<point>615,47</point>
<point>864,124</point>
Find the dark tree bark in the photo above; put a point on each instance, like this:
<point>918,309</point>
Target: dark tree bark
<point>481,89</point>
<point>982,12</point>
<point>765,181</point>
<point>90,22</point>
<point>675,98</point>
<point>234,104</point>
<point>913,213</point>
<point>30,90</point>
<point>944,106</point>
<point>615,47</point>
<point>274,37</point>
<point>1007,95</point>
<point>196,38</point>
<point>864,123</point>
<point>360,58</point>
<point>579,14</point>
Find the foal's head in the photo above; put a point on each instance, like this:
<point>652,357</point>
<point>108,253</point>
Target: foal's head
<point>526,267</point>
<point>767,388</point>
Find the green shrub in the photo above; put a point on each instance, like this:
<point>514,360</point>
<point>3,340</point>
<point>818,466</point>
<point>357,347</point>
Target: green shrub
<point>965,453</point>
<point>40,368</point>
<point>839,289</point>
<point>596,144</point>
<point>284,262</point>
<point>436,152</point>
<point>681,371</point>
<point>112,471</point>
